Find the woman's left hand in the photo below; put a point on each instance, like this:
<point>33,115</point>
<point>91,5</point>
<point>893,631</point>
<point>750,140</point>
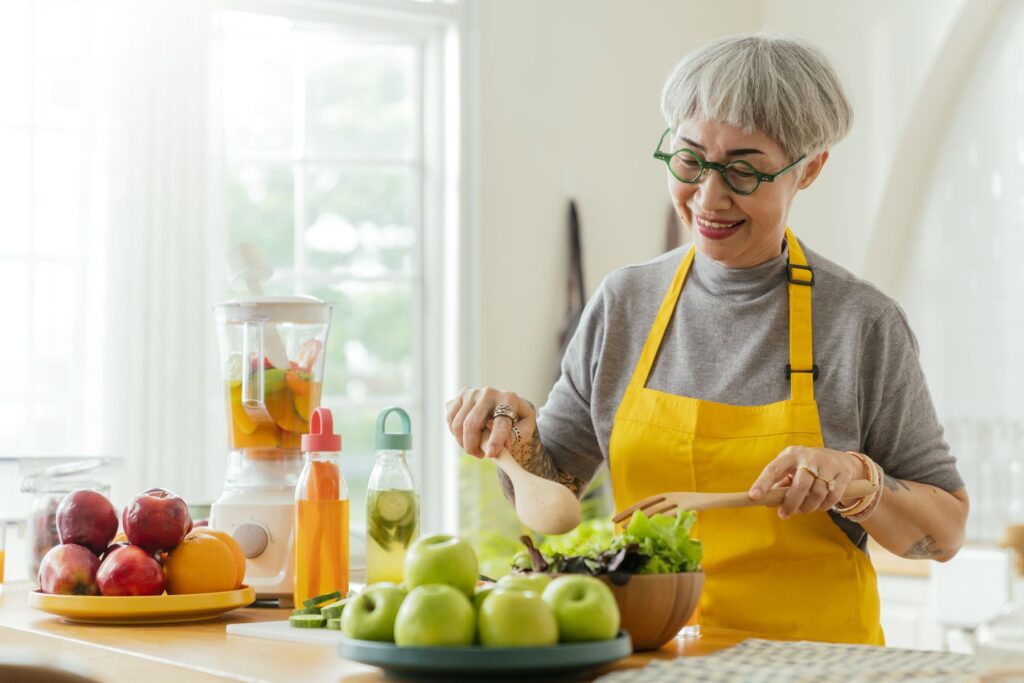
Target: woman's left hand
<point>807,472</point>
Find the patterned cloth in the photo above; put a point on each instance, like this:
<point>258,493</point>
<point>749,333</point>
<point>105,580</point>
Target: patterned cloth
<point>768,661</point>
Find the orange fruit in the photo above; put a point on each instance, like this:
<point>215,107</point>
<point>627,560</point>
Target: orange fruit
<point>201,563</point>
<point>232,544</point>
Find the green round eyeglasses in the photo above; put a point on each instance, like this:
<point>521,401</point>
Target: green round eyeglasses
<point>739,175</point>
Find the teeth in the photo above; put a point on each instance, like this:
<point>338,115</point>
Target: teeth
<point>717,226</point>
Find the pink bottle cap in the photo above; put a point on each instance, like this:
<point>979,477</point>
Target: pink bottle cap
<point>321,435</point>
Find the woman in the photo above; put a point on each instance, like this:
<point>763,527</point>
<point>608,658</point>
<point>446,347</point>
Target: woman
<point>772,367</point>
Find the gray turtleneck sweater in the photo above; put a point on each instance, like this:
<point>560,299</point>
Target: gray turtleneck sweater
<point>871,391</point>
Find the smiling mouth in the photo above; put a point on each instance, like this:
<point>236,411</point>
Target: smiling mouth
<point>708,224</point>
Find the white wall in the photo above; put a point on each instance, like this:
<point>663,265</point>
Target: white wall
<point>568,103</point>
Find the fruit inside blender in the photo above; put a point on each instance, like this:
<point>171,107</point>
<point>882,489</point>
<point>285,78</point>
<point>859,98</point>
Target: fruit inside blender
<point>289,397</point>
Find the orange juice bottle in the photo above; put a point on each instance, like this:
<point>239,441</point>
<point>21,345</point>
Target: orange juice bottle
<point>321,514</point>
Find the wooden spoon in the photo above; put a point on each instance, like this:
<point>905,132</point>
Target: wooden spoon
<point>693,500</point>
<point>541,504</point>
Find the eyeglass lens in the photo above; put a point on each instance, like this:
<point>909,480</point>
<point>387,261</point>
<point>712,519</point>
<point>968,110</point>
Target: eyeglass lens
<point>738,175</point>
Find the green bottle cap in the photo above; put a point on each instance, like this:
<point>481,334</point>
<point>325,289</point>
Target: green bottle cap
<point>387,441</point>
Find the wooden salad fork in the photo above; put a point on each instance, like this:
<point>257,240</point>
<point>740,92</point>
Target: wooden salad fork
<point>697,501</point>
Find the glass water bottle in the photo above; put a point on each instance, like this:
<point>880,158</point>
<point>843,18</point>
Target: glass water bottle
<point>392,503</point>
<point>321,514</point>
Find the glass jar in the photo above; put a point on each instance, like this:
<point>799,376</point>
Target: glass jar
<point>48,487</point>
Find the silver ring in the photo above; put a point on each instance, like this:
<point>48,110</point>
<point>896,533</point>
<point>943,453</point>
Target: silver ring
<point>504,410</point>
<point>516,436</point>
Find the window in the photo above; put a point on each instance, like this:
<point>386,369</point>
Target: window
<point>135,153</point>
<point>329,164</point>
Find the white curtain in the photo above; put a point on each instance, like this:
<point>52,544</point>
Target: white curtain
<point>159,360</point>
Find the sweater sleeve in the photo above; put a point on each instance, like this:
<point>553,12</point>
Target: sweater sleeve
<point>565,423</point>
<point>900,426</point>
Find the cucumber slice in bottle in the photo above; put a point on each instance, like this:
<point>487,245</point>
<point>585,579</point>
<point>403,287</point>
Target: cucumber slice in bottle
<point>393,505</point>
<point>319,600</point>
<point>306,621</point>
<point>334,624</point>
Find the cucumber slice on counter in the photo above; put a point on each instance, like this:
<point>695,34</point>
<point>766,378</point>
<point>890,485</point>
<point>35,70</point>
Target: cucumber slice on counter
<point>305,610</point>
<point>306,621</point>
<point>319,600</point>
<point>333,610</point>
<point>334,624</point>
<point>393,505</point>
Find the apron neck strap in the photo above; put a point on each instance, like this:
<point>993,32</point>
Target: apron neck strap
<point>801,370</point>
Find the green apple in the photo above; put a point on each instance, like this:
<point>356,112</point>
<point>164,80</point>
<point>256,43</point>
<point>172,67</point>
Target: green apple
<point>481,593</point>
<point>585,608</point>
<point>435,615</point>
<point>442,559</point>
<point>528,582</point>
<point>512,617</point>
<point>371,614</point>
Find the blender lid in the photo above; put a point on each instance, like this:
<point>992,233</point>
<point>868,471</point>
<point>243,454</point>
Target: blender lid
<point>276,309</point>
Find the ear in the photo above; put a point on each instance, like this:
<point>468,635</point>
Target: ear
<point>810,170</point>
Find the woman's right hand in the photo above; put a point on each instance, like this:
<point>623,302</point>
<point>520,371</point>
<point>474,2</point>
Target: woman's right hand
<point>471,412</point>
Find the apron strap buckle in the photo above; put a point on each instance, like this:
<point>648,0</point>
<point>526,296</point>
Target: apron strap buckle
<point>804,279</point>
<point>790,371</point>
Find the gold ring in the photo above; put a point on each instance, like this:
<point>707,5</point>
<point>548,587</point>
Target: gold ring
<point>516,436</point>
<point>810,469</point>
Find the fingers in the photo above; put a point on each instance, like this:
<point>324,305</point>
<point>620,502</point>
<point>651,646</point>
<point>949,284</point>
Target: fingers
<point>782,466</point>
<point>470,413</point>
<point>501,435</point>
<point>818,481</point>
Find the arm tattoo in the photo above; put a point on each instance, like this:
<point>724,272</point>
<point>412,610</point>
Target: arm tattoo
<point>534,459</point>
<point>894,484</point>
<point>925,549</point>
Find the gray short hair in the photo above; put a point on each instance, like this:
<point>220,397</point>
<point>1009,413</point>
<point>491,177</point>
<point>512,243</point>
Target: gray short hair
<point>782,86</point>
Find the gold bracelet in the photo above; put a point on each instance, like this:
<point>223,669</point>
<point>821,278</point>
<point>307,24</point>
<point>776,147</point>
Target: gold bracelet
<point>862,504</point>
<point>876,498</point>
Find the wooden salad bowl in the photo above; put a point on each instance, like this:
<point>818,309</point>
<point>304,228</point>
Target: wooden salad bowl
<point>655,607</point>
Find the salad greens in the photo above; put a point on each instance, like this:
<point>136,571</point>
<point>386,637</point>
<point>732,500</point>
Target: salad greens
<point>648,545</point>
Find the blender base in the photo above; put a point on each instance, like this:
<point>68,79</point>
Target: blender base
<point>262,521</point>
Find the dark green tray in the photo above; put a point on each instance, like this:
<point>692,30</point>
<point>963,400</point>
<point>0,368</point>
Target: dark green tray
<point>491,662</point>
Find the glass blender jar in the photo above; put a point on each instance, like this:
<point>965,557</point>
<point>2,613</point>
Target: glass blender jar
<point>272,360</point>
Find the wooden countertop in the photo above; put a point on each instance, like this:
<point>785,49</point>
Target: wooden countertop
<point>204,652</point>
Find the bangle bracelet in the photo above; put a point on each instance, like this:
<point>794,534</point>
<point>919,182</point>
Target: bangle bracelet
<point>874,475</point>
<point>876,498</point>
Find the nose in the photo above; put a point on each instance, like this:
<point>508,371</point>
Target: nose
<point>712,192</point>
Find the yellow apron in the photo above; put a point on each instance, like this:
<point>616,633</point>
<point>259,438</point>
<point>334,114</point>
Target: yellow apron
<point>800,578</point>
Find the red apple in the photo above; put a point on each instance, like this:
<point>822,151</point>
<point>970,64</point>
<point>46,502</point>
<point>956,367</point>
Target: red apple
<point>86,518</point>
<point>111,548</point>
<point>69,569</point>
<point>156,520</point>
<point>130,571</point>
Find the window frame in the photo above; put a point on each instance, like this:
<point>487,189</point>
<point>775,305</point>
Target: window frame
<point>439,29</point>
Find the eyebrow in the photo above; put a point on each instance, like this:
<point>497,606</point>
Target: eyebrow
<point>731,152</point>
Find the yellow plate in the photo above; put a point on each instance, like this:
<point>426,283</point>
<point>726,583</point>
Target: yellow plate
<point>148,609</point>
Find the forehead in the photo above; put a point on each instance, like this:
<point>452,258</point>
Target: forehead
<point>719,137</point>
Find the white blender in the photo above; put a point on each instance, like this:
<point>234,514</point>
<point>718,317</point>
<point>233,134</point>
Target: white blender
<point>272,355</point>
